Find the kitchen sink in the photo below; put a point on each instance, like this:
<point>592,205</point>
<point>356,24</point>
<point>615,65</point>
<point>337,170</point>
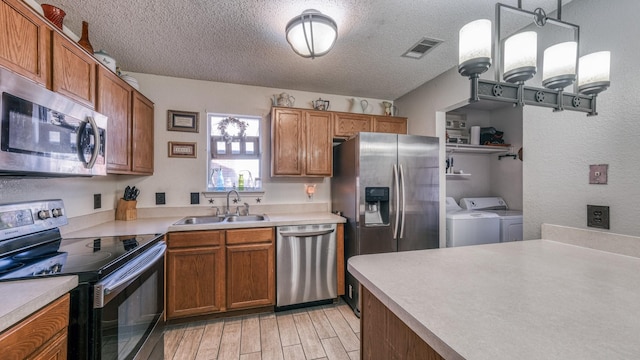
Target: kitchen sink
<point>199,220</point>
<point>237,218</point>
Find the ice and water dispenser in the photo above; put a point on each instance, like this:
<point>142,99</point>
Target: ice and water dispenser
<point>376,206</point>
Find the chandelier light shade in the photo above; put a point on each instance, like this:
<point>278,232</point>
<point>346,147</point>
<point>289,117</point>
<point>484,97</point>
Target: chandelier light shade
<point>559,65</point>
<point>311,34</point>
<point>474,55</point>
<point>593,72</point>
<point>520,57</point>
<point>516,61</point>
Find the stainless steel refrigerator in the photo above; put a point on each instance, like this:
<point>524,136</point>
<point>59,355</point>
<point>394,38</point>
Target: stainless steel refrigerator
<point>386,186</point>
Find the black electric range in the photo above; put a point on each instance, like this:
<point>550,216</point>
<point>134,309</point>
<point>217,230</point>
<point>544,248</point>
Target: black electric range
<point>115,273</point>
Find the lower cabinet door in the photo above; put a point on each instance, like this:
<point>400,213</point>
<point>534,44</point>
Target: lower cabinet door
<point>195,281</point>
<point>250,275</point>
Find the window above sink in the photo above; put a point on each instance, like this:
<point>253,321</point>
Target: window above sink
<point>234,156</point>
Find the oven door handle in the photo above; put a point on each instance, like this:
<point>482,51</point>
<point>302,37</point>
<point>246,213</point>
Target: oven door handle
<point>127,274</point>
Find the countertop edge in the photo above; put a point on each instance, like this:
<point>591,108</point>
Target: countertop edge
<point>22,298</point>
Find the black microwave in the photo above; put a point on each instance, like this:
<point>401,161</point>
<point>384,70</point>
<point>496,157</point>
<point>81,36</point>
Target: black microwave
<point>43,133</point>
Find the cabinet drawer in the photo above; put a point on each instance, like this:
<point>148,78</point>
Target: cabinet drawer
<point>248,236</point>
<point>32,333</point>
<point>194,238</point>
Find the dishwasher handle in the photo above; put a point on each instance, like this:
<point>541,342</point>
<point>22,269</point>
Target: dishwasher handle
<point>306,233</point>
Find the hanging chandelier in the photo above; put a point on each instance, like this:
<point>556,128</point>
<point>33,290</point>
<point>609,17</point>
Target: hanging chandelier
<point>560,66</point>
<point>311,33</point>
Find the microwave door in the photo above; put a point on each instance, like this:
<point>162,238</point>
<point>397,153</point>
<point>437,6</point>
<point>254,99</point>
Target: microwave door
<point>88,141</point>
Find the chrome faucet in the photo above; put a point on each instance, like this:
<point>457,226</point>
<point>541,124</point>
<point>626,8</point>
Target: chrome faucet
<point>246,206</point>
<point>227,212</point>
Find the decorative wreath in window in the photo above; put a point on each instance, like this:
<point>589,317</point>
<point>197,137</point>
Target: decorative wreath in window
<point>231,128</point>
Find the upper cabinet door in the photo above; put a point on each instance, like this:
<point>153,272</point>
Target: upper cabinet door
<point>142,135</point>
<point>74,71</point>
<point>346,125</point>
<point>319,143</point>
<point>287,143</point>
<point>387,124</point>
<point>114,101</point>
<point>24,40</point>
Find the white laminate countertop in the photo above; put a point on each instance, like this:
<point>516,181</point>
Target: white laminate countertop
<point>535,299</point>
<point>21,298</point>
<point>165,224</point>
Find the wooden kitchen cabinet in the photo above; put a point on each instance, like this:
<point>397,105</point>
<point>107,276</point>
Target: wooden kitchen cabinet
<point>346,125</point>
<point>142,135</point>
<point>42,335</point>
<point>195,267</point>
<point>24,42</point>
<point>301,142</point>
<point>130,131</point>
<point>250,268</point>
<point>74,71</point>
<point>388,124</point>
<point>114,101</point>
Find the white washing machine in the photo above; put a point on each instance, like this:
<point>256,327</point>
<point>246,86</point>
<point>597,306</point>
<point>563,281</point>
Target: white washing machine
<point>470,227</point>
<point>510,220</point>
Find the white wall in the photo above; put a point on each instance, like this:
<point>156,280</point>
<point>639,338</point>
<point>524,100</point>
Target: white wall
<point>175,176</point>
<point>560,146</point>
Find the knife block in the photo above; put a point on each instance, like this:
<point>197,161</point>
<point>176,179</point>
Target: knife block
<point>126,210</point>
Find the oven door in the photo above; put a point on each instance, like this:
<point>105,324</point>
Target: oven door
<point>127,306</point>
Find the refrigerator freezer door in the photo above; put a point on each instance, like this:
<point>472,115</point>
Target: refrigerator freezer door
<point>418,158</point>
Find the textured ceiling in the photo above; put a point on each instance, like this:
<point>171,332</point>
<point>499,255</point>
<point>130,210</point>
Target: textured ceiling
<point>243,42</point>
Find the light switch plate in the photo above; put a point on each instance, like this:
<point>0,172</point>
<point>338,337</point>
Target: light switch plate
<point>598,174</point>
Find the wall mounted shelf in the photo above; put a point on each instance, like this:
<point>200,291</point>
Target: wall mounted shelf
<point>458,176</point>
<point>477,149</point>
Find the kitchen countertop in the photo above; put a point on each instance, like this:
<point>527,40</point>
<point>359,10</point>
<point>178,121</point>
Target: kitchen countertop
<point>165,224</point>
<point>22,298</point>
<point>535,299</point>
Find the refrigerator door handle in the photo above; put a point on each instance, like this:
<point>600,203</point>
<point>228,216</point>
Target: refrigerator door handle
<point>397,187</point>
<point>402,188</point>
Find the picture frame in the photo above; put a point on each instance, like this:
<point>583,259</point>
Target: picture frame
<point>186,121</point>
<point>182,149</point>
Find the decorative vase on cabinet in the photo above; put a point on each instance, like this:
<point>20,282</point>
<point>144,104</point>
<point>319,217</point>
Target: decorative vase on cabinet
<point>84,40</point>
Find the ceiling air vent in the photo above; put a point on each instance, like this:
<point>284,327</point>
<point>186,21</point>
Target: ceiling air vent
<point>421,48</point>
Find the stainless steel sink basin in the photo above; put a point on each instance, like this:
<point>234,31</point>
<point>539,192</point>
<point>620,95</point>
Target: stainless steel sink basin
<point>203,220</point>
<point>239,218</point>
<point>199,220</point>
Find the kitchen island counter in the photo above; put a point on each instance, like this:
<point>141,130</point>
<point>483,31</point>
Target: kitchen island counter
<point>534,299</point>
<point>22,298</point>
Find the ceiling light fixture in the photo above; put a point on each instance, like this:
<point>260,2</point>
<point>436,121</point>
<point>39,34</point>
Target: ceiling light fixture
<point>520,62</point>
<point>311,34</point>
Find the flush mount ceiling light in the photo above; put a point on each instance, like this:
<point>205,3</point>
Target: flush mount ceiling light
<point>520,64</point>
<point>311,34</point>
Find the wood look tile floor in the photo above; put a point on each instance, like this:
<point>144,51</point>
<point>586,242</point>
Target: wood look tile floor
<point>321,332</point>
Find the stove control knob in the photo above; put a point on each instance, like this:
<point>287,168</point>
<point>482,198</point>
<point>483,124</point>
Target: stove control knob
<point>56,212</point>
<point>43,214</point>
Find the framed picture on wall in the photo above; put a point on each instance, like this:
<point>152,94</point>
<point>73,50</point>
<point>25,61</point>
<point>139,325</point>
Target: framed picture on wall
<point>182,121</point>
<point>182,149</point>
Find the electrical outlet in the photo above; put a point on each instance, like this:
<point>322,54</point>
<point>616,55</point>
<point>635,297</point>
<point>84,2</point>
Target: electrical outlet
<point>598,174</point>
<point>160,199</point>
<point>97,201</point>
<point>598,216</point>
<point>195,198</point>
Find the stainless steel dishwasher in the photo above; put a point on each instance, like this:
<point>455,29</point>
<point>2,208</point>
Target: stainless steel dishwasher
<point>306,264</point>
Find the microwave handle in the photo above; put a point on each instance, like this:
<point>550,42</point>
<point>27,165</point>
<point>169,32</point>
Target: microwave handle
<point>96,148</point>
